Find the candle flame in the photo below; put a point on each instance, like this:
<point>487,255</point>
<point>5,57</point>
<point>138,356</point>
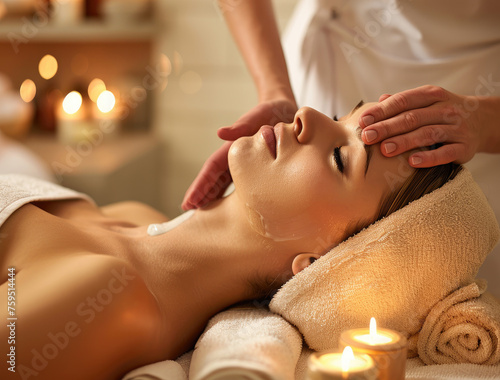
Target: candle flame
<point>373,327</point>
<point>347,357</point>
<point>72,102</point>
<point>106,101</point>
<point>96,88</point>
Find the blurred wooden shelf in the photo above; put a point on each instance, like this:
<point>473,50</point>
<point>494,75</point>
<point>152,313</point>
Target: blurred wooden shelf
<point>118,168</point>
<point>88,31</point>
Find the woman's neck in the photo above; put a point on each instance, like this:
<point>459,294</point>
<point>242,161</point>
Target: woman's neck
<point>206,263</point>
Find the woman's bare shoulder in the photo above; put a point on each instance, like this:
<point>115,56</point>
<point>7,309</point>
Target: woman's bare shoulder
<point>134,212</point>
<point>89,305</point>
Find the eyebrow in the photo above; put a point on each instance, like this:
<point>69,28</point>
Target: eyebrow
<point>368,149</point>
<point>360,104</point>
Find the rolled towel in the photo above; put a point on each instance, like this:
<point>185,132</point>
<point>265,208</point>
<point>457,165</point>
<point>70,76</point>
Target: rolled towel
<point>246,343</point>
<point>395,270</point>
<point>165,370</point>
<point>462,328</point>
<point>417,370</point>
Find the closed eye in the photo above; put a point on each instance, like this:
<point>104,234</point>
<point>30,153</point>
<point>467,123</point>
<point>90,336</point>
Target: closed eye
<point>338,159</point>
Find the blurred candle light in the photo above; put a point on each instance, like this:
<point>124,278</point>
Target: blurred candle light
<point>72,124</point>
<point>68,11</point>
<point>105,112</point>
<point>28,90</point>
<point>72,102</point>
<point>96,88</point>
<point>106,101</point>
<point>47,67</point>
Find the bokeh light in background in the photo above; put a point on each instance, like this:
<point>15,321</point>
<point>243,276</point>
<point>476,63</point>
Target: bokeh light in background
<point>106,101</point>
<point>3,9</point>
<point>48,67</point>
<point>28,90</point>
<point>166,68</point>
<point>72,102</point>
<point>96,88</point>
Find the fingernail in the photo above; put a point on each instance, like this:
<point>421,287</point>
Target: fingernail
<point>370,135</point>
<point>416,160</point>
<point>368,120</point>
<point>389,147</point>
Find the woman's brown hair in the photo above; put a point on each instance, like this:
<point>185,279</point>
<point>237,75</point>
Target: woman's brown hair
<point>420,182</point>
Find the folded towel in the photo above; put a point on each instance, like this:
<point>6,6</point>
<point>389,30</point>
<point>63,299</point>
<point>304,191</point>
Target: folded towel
<point>396,270</point>
<point>165,370</point>
<point>246,343</point>
<point>16,190</point>
<point>417,370</point>
<point>463,327</point>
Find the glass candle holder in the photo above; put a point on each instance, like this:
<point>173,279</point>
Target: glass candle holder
<point>332,365</point>
<point>387,348</point>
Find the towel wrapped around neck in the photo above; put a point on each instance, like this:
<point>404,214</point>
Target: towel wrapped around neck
<point>396,270</point>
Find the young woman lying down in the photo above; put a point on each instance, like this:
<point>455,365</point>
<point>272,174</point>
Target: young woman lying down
<point>98,296</point>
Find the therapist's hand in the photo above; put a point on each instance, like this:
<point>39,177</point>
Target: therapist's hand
<point>428,115</point>
<point>214,177</point>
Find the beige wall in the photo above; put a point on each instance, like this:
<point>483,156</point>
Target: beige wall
<point>208,87</point>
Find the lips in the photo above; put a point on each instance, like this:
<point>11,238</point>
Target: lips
<point>267,133</point>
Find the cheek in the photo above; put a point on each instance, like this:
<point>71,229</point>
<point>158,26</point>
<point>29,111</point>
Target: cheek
<point>244,163</point>
<point>300,202</point>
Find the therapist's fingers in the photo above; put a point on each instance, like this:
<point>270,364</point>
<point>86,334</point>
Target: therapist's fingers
<point>212,180</point>
<point>421,137</point>
<point>383,97</point>
<point>266,113</point>
<point>403,101</point>
<point>402,124</point>
<point>443,155</point>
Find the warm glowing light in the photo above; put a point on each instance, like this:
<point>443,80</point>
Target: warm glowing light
<point>106,101</point>
<point>96,88</point>
<point>72,102</point>
<point>47,67</point>
<point>165,64</point>
<point>345,362</point>
<point>374,337</point>
<point>28,90</point>
<point>347,358</point>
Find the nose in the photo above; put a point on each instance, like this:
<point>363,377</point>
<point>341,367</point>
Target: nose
<point>303,124</point>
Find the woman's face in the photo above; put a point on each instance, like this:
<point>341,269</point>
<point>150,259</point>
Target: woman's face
<point>310,181</point>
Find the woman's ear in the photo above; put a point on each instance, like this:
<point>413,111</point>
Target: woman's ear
<point>303,260</point>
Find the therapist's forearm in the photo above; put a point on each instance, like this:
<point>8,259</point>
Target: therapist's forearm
<point>253,26</point>
<point>490,122</point>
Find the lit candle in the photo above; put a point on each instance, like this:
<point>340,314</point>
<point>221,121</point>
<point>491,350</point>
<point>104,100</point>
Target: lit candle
<point>72,124</point>
<point>388,349</point>
<point>67,11</point>
<point>105,112</point>
<point>337,365</point>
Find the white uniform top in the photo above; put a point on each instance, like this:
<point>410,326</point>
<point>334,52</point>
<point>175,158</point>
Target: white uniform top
<point>339,52</point>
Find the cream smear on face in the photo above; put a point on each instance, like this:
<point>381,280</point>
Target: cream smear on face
<point>276,230</point>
